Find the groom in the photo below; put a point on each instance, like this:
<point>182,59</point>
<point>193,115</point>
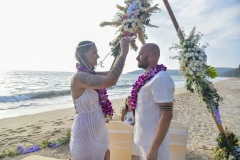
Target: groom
<point>154,107</point>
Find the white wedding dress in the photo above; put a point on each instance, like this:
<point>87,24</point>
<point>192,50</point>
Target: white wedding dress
<point>89,134</point>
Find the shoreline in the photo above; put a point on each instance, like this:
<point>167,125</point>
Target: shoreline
<point>22,112</point>
<point>32,129</point>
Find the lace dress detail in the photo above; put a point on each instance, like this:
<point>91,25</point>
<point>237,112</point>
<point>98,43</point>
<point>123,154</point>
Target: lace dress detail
<point>89,134</point>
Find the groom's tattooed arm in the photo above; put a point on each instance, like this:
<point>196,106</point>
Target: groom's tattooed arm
<point>87,80</point>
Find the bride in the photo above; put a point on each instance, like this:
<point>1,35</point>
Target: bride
<point>89,134</point>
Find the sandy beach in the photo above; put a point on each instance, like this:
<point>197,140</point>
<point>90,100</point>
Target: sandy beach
<point>33,129</point>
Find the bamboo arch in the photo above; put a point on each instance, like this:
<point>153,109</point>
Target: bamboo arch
<point>179,32</point>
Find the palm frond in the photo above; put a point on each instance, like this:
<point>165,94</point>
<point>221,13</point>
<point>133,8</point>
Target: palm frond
<point>153,9</point>
<point>114,23</point>
<point>141,37</point>
<point>119,29</point>
<point>211,72</point>
<point>150,25</point>
<point>120,7</point>
<point>191,34</point>
<point>148,4</point>
<point>115,41</point>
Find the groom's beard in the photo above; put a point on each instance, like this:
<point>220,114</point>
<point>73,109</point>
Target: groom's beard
<point>144,63</point>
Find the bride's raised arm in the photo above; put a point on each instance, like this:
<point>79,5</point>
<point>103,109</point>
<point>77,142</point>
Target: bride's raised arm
<point>103,73</point>
<point>99,80</point>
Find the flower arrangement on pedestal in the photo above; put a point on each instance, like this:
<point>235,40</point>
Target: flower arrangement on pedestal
<point>131,21</point>
<point>192,59</point>
<point>227,146</point>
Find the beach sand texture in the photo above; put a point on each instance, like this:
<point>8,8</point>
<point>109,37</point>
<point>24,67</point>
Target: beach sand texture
<point>33,129</point>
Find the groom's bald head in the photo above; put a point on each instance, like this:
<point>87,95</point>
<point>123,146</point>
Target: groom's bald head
<point>148,55</point>
<point>153,48</point>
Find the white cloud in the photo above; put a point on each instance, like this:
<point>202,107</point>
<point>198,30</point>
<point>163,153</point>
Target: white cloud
<point>219,21</point>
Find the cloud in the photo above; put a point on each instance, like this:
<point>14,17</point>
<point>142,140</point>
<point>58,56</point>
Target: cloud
<point>219,21</point>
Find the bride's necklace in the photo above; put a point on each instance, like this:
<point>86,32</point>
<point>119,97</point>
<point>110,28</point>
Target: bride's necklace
<point>102,93</point>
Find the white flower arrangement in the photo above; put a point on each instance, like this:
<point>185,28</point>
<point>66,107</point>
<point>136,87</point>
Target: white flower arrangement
<point>193,66</point>
<point>132,26</point>
<point>192,58</point>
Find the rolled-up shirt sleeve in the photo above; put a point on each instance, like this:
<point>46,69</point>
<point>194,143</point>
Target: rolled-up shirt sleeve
<point>163,89</point>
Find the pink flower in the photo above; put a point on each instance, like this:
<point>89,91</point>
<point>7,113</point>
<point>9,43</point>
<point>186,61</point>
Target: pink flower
<point>124,17</point>
<point>126,33</point>
<point>142,80</point>
<point>136,12</point>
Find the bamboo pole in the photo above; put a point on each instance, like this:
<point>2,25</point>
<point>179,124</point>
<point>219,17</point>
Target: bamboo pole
<point>170,12</point>
<point>179,32</point>
<point>219,126</point>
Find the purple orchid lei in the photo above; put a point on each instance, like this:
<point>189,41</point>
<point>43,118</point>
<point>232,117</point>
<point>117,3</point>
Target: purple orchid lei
<point>102,93</point>
<point>142,80</point>
<point>20,149</point>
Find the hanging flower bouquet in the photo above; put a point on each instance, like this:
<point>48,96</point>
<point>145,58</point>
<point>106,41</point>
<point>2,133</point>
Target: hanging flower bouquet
<point>192,59</point>
<point>193,67</point>
<point>131,21</point>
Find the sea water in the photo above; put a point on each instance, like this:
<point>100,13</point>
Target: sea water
<point>29,92</point>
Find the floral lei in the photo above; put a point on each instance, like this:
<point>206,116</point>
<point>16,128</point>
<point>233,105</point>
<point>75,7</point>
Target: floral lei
<point>102,93</point>
<point>142,80</point>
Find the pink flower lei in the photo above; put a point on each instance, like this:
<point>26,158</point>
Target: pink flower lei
<point>142,80</point>
<point>102,93</point>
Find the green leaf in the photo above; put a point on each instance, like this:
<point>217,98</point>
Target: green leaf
<point>211,72</point>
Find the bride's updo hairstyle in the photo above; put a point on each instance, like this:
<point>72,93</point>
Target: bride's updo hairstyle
<point>81,49</point>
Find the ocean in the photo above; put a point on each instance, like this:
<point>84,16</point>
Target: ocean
<point>29,92</point>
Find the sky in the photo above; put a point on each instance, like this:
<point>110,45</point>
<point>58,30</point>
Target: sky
<point>42,35</point>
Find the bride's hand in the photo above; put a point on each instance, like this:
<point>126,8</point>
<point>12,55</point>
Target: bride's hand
<point>124,45</point>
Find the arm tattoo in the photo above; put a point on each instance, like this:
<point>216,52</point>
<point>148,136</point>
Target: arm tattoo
<point>117,69</point>
<point>102,73</point>
<point>97,80</point>
<point>90,79</point>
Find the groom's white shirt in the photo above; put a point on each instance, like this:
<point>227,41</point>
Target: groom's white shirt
<point>160,89</point>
